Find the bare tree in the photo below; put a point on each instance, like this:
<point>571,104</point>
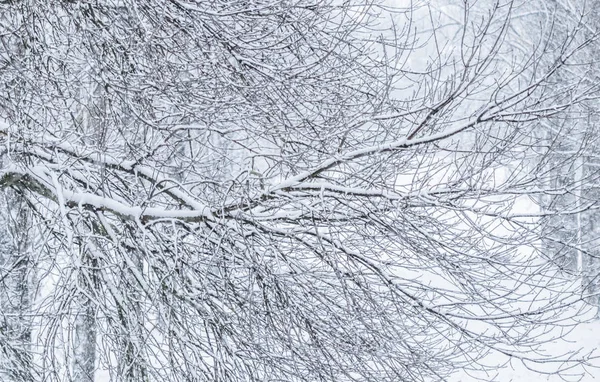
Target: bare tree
<point>283,190</point>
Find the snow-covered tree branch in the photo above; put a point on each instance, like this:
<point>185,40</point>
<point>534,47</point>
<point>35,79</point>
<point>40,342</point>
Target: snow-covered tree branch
<point>287,190</point>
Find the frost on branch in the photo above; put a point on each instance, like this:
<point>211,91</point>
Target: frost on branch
<point>275,190</point>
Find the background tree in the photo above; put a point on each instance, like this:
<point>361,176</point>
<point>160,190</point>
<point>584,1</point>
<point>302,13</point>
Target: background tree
<point>567,154</point>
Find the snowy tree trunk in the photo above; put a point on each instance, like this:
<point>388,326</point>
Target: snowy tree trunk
<point>15,299</point>
<point>592,264</point>
<point>579,164</point>
<point>132,366</point>
<point>84,357</point>
<point>93,127</point>
<point>559,228</point>
<point>589,229</point>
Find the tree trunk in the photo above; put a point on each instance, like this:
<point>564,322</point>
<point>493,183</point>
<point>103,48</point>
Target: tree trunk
<point>15,294</point>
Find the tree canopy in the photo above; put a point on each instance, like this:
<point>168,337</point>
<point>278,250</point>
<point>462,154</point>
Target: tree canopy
<point>286,190</point>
